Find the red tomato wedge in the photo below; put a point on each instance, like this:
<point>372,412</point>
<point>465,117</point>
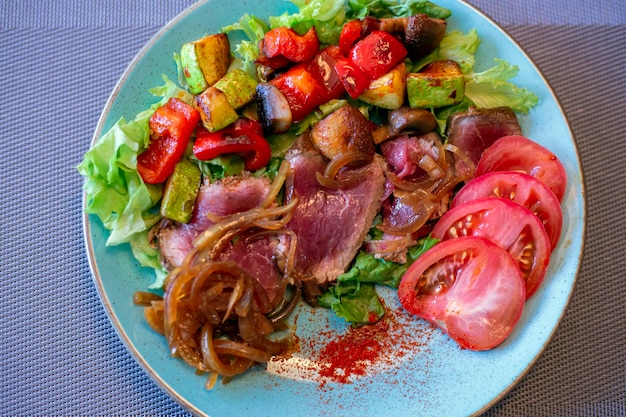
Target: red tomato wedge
<point>509,225</point>
<point>518,153</point>
<point>469,287</point>
<point>522,189</point>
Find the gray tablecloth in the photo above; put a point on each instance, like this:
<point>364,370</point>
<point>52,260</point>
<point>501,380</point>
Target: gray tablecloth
<point>60,59</point>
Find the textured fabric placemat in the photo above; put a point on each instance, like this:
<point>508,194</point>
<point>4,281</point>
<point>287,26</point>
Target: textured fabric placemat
<point>59,354</point>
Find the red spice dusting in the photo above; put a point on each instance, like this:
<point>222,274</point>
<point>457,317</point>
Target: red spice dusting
<point>350,354</point>
<point>354,353</point>
<point>378,349</point>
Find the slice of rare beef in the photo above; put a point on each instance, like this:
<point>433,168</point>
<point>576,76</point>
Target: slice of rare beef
<point>475,130</point>
<point>255,255</point>
<point>330,224</point>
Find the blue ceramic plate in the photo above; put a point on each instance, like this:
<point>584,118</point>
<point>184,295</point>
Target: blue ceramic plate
<point>424,372</point>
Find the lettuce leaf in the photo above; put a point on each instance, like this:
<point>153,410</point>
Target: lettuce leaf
<point>355,302</point>
<point>394,8</point>
<point>487,89</point>
<point>492,88</point>
<point>247,51</point>
<point>327,16</point>
<point>114,191</point>
<point>456,46</point>
<point>354,296</point>
<point>220,166</point>
<point>253,27</point>
<point>460,47</point>
<point>321,10</point>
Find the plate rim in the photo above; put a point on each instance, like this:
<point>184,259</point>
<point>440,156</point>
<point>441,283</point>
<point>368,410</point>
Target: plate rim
<point>106,302</point>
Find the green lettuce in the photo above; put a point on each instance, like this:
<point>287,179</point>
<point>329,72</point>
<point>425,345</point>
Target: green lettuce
<point>220,166</point>
<point>492,88</point>
<point>327,16</point>
<point>115,192</point>
<point>456,46</point>
<point>487,89</point>
<point>247,51</point>
<point>460,47</point>
<point>394,8</point>
<point>354,296</point>
<point>354,301</point>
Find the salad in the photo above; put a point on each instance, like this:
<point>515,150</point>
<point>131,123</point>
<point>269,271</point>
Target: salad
<point>345,146</point>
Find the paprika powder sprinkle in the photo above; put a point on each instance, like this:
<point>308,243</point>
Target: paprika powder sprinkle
<point>354,353</point>
<point>331,356</point>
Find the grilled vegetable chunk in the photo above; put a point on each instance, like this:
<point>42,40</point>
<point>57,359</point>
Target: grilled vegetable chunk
<point>191,69</point>
<point>215,111</point>
<point>387,91</point>
<point>181,190</point>
<point>438,84</point>
<point>207,58</point>
<point>344,130</point>
<point>238,86</point>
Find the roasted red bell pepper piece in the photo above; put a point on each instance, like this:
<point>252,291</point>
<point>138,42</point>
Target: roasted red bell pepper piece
<point>354,80</point>
<point>322,67</point>
<point>286,42</point>
<point>300,89</point>
<point>171,126</point>
<point>275,62</point>
<point>351,32</point>
<point>378,53</point>
<point>244,137</point>
<point>310,84</point>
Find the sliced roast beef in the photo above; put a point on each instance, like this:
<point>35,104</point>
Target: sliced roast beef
<point>256,255</point>
<point>475,130</point>
<point>330,224</point>
<point>229,196</point>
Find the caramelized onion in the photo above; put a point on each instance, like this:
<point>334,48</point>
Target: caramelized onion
<point>212,361</point>
<point>427,194</point>
<point>154,316</point>
<point>277,184</point>
<point>467,163</point>
<point>352,158</point>
<point>432,168</point>
<point>423,205</point>
<point>345,159</point>
<point>237,223</point>
<point>211,380</point>
<point>144,298</point>
<point>213,312</point>
<point>228,347</point>
<point>285,308</point>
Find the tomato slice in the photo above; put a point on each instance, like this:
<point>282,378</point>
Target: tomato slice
<point>469,287</point>
<point>521,189</point>
<point>507,224</point>
<point>518,153</point>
